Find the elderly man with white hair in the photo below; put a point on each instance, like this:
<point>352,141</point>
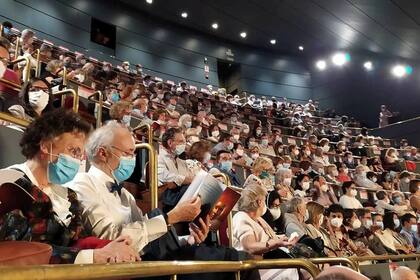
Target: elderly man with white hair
<point>109,210</point>
<point>362,181</point>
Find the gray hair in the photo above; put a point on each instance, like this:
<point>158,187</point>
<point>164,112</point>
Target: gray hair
<point>252,192</point>
<point>281,173</point>
<point>101,137</point>
<point>294,204</point>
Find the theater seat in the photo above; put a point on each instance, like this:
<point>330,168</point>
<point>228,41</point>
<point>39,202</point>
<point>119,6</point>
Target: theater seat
<point>24,253</point>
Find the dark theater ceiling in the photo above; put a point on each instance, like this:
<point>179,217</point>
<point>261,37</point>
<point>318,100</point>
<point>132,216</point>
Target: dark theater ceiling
<point>389,27</point>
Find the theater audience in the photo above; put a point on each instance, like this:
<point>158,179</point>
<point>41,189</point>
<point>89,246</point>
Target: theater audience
<point>295,217</point>
<point>109,210</point>
<point>34,98</point>
<point>383,203</point>
<point>348,200</point>
<point>173,172</point>
<point>224,165</point>
<point>262,170</point>
<point>322,192</point>
<point>409,230</point>
<point>51,213</point>
<point>253,235</point>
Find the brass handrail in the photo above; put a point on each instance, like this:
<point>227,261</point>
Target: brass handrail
<point>147,269</point>
<point>62,93</point>
<point>27,67</point>
<point>149,132</point>
<point>386,258</point>
<point>336,260</point>
<point>229,217</point>
<point>100,103</point>
<point>153,177</point>
<point>38,63</point>
<point>17,47</point>
<point>64,76</point>
<point>286,263</point>
<point>12,119</point>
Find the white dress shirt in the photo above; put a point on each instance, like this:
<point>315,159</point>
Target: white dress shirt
<point>109,215</point>
<point>350,202</point>
<point>60,205</point>
<point>171,169</point>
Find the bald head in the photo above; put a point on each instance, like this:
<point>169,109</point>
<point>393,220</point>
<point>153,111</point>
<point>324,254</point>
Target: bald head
<point>340,273</point>
<point>403,273</point>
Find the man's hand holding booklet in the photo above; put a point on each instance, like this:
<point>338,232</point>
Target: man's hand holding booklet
<point>217,200</point>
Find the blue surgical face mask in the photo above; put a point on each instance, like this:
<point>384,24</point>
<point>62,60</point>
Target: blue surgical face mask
<point>125,168</point>
<point>264,175</point>
<point>62,171</point>
<point>115,97</point>
<point>226,165</point>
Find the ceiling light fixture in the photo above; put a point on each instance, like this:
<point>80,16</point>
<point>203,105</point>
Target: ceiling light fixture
<point>398,71</point>
<point>184,14</point>
<point>243,34</point>
<point>301,48</point>
<point>273,41</point>
<point>368,65</point>
<point>340,58</point>
<point>149,1</point>
<point>321,65</point>
<point>215,25</point>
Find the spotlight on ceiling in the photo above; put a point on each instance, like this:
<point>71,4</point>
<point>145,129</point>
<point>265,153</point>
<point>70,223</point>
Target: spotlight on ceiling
<point>243,34</point>
<point>340,58</point>
<point>149,1</point>
<point>184,14</point>
<point>368,65</point>
<point>273,41</point>
<point>400,70</point>
<point>321,65</point>
<point>301,48</point>
<point>215,25</point>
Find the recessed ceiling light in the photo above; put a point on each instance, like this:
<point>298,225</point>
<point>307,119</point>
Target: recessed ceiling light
<point>184,14</point>
<point>368,65</point>
<point>301,48</point>
<point>149,1</point>
<point>215,25</point>
<point>321,65</point>
<point>273,41</point>
<point>243,34</point>
<point>340,58</point>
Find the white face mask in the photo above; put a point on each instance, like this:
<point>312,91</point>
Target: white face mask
<point>296,152</point>
<point>336,222</point>
<point>374,179</point>
<point>254,155</point>
<point>215,133</point>
<point>286,165</point>
<point>380,225</point>
<point>287,181</point>
<point>353,193</point>
<point>414,228</point>
<point>356,224</point>
<point>236,137</point>
<point>326,148</point>
<point>126,120</point>
<point>38,99</point>
<point>207,157</point>
<point>324,187</point>
<point>275,212</point>
<point>305,186</point>
<point>369,223</point>
<point>397,223</point>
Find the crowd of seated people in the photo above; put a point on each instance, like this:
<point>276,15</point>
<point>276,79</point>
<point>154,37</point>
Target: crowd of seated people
<point>305,174</point>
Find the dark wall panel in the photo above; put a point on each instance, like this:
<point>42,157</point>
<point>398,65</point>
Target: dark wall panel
<point>166,50</point>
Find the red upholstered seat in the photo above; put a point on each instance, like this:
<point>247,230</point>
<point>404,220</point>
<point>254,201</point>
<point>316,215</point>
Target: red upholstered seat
<point>24,253</point>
